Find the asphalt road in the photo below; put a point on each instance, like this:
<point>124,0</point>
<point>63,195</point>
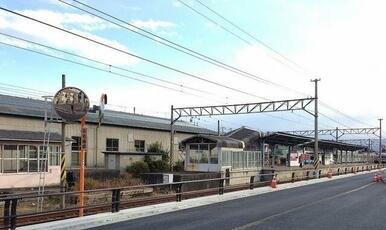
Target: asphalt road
<point>350,203</point>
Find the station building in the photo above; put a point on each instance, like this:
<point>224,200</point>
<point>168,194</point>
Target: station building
<point>246,150</point>
<point>120,140</point>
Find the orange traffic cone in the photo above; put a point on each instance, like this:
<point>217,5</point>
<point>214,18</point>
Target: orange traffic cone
<point>380,178</point>
<point>329,174</point>
<point>375,178</point>
<point>273,182</point>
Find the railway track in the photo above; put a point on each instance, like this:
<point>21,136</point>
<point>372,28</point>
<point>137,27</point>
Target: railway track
<point>37,218</point>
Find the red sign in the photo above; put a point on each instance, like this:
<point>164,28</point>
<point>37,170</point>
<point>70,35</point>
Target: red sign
<point>83,133</point>
<point>294,157</point>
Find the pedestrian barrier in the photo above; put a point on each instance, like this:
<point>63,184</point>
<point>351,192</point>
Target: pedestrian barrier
<point>117,198</point>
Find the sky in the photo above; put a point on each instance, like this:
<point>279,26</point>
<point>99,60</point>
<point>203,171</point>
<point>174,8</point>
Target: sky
<point>339,41</point>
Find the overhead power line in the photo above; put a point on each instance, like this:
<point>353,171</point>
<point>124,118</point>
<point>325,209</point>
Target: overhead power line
<point>262,43</point>
<point>131,54</point>
<point>161,40</point>
<point>103,70</point>
<point>99,69</point>
<point>344,114</point>
<point>165,41</point>
<point>25,88</point>
<point>253,37</point>
<point>125,52</point>
<point>106,64</point>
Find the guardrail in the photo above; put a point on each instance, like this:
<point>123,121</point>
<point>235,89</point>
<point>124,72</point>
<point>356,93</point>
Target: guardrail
<point>15,214</point>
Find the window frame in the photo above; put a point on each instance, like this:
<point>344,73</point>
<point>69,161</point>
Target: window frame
<point>139,147</point>
<point>113,146</point>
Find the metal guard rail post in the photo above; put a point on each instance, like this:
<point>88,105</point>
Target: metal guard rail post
<point>10,201</point>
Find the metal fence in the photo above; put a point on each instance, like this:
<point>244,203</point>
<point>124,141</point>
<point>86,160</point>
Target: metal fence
<point>241,159</point>
<point>20,209</point>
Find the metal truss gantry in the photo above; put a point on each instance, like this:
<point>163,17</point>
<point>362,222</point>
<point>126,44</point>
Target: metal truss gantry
<point>235,109</point>
<point>364,142</point>
<point>338,133</point>
<point>260,107</point>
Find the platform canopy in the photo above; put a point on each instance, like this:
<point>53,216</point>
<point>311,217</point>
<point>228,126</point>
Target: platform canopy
<point>221,141</point>
<point>282,138</point>
<point>331,145</point>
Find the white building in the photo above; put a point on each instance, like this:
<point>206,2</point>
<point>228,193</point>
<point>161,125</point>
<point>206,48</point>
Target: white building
<point>124,137</point>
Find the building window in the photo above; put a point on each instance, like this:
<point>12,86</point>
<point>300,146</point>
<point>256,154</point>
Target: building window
<point>54,155</point>
<point>203,153</point>
<point>139,145</point>
<point>112,145</point>
<point>33,159</point>
<point>23,158</point>
<point>10,158</point>
<point>43,159</point>
<point>75,150</point>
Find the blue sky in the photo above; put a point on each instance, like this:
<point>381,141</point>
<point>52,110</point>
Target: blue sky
<point>339,41</point>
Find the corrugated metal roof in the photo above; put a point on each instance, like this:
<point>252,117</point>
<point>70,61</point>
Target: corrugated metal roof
<point>13,135</point>
<point>223,141</point>
<point>18,106</point>
<point>243,133</point>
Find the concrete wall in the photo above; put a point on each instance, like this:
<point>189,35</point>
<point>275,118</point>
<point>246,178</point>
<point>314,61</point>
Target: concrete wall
<point>300,174</point>
<point>244,176</point>
<point>21,180</point>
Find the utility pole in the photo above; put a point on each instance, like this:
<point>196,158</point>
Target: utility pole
<point>171,139</point>
<point>316,115</point>
<point>63,156</point>
<point>336,134</point>
<point>368,152</point>
<point>380,140</point>
<point>218,127</point>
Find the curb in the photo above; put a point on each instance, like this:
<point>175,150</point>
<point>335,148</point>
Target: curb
<point>145,211</point>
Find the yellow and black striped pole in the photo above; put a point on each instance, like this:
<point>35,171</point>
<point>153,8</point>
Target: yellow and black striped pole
<point>62,168</point>
<point>63,156</point>
<point>316,161</point>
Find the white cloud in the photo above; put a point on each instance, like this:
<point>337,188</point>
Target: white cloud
<point>77,23</point>
<point>153,24</point>
<point>348,52</point>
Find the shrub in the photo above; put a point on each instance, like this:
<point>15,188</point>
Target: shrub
<point>159,166</point>
<point>156,148</point>
<point>121,181</point>
<point>178,166</point>
<point>138,167</point>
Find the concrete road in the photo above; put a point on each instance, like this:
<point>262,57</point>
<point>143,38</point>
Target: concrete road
<point>349,203</point>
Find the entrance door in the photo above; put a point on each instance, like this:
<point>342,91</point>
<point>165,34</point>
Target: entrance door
<point>111,161</point>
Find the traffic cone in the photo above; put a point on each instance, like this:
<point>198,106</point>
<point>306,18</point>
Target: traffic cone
<point>380,177</point>
<point>329,174</point>
<point>375,178</point>
<point>273,182</point>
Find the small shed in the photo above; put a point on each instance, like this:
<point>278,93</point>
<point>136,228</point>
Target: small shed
<point>207,153</point>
